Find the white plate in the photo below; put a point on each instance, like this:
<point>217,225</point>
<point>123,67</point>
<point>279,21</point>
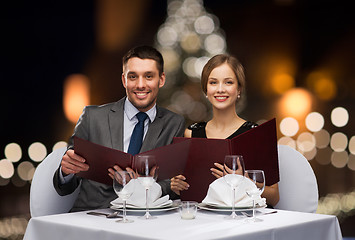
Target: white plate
<point>120,205</point>
<point>153,209</point>
<point>226,209</point>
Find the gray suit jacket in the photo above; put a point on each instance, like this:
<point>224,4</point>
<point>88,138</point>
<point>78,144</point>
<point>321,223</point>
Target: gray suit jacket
<point>104,125</point>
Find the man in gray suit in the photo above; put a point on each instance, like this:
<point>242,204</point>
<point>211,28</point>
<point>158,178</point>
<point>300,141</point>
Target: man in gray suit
<point>111,125</point>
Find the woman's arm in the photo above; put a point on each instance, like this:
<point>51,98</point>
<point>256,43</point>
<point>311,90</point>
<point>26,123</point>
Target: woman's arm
<point>271,193</point>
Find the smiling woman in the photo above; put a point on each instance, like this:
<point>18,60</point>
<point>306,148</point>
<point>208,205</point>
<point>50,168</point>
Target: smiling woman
<point>223,82</point>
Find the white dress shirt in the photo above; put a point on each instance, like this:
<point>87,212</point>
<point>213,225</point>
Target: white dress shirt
<point>130,120</point>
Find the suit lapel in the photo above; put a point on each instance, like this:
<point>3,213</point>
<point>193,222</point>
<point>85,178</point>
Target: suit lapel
<point>153,133</point>
<point>116,124</point>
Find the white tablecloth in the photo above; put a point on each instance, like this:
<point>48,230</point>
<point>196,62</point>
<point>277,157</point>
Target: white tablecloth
<point>168,225</point>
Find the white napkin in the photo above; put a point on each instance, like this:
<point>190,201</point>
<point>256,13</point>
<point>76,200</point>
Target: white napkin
<point>137,200</point>
<point>221,194</point>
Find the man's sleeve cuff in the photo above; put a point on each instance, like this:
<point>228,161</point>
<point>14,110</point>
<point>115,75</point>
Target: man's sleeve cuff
<point>64,179</point>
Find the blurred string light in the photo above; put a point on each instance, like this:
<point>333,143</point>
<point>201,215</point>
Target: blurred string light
<point>322,138</point>
<point>341,205</point>
<point>6,169</point>
<point>37,151</point>
<point>339,159</point>
<point>289,126</point>
<point>314,121</point>
<point>339,116</point>
<point>319,144</point>
<point>278,73</point>
<point>352,145</point>
<point>296,103</point>
<point>60,144</point>
<point>187,39</point>
<point>23,170</point>
<point>285,140</point>
<point>322,85</point>
<point>13,152</point>
<point>76,95</point>
<point>13,227</point>
<point>306,142</point>
<point>338,142</point>
<point>351,162</point>
<point>282,82</point>
<point>311,154</point>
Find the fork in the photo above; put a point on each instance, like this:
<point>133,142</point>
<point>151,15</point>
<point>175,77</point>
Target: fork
<point>249,215</point>
<point>108,215</point>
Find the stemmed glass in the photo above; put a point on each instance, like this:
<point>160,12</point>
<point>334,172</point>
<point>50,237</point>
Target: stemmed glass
<point>258,178</point>
<point>123,185</point>
<point>146,170</point>
<point>233,174</point>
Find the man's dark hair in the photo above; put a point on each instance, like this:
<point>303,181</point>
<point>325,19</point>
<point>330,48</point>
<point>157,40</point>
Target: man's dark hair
<point>145,52</point>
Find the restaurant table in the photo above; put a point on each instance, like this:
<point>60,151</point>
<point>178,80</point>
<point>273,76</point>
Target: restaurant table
<point>168,225</point>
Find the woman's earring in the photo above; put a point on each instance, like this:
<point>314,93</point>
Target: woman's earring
<point>238,96</point>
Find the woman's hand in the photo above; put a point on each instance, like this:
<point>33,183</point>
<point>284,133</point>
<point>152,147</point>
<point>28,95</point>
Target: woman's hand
<point>178,184</point>
<point>218,171</point>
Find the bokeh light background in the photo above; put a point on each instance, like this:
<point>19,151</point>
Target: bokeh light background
<point>298,56</point>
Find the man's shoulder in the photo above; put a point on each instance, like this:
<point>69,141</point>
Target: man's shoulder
<point>114,106</point>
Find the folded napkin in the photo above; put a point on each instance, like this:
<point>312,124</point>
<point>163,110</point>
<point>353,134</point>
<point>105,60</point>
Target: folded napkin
<point>137,200</point>
<point>221,194</point>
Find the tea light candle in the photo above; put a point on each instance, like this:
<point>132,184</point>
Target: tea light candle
<point>188,214</point>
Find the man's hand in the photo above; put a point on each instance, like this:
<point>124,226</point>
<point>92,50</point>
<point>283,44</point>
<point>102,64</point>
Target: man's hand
<point>73,163</point>
<point>111,171</point>
<point>178,184</point>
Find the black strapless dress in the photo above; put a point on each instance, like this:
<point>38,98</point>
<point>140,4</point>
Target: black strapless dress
<point>199,129</point>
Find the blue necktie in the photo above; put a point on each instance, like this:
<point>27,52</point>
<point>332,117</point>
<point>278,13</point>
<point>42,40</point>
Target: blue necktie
<point>137,136</point>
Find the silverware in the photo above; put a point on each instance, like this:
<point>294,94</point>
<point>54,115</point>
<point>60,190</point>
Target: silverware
<point>250,215</point>
<point>108,215</point>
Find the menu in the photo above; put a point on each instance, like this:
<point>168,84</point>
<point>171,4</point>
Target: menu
<point>192,157</point>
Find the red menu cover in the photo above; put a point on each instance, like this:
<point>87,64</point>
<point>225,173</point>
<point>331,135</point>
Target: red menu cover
<point>171,159</point>
<point>192,157</point>
<point>258,146</point>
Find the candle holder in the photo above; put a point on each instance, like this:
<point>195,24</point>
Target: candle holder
<point>188,210</point>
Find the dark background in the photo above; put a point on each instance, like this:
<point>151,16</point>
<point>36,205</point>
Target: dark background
<point>44,42</point>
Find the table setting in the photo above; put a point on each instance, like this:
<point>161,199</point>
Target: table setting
<point>236,193</point>
<point>138,191</point>
<point>233,208</point>
<point>237,190</point>
<point>136,203</point>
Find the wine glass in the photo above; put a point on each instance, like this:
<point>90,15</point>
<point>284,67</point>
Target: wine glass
<point>258,178</point>
<point>233,174</point>
<point>123,185</point>
<point>147,172</point>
